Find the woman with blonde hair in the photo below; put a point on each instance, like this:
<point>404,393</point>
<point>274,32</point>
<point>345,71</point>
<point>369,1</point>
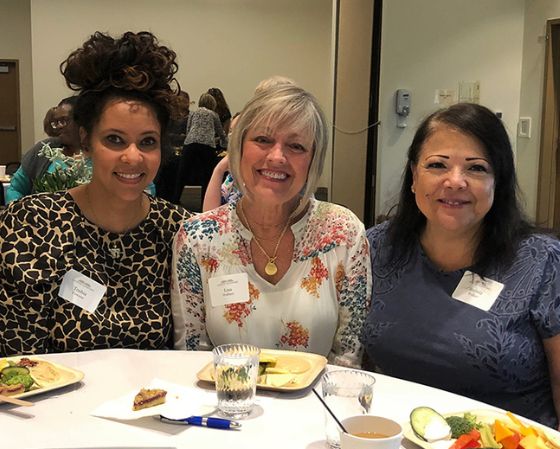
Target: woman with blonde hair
<point>298,268</point>
<point>221,187</point>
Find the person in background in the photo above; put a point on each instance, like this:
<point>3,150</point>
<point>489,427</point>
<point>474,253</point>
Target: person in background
<point>35,165</point>
<point>177,129</point>
<point>199,153</point>
<point>167,177</point>
<point>223,190</point>
<point>300,267</point>
<point>466,296</point>
<point>222,109</point>
<point>107,237</point>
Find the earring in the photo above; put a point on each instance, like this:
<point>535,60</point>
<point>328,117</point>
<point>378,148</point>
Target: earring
<point>413,190</point>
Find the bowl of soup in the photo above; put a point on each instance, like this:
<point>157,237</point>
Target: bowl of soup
<point>370,432</point>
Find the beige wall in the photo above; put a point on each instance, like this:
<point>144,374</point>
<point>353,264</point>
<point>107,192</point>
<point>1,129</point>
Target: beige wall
<point>425,46</point>
<point>532,81</point>
<point>230,44</point>
<point>15,43</point>
<point>434,44</point>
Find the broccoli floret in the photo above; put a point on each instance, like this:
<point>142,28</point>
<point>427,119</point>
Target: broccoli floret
<point>24,379</point>
<point>461,424</point>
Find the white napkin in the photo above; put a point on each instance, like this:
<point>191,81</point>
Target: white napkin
<point>180,402</point>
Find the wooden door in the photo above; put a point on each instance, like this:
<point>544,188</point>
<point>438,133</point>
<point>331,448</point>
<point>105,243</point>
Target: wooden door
<point>10,138</point>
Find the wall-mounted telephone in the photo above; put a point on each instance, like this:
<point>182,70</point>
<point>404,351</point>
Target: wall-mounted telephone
<point>402,106</point>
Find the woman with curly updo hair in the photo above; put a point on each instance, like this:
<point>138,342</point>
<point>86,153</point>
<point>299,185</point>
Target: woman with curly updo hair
<point>89,268</point>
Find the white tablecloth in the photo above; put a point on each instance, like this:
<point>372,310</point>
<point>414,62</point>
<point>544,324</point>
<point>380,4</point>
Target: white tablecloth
<point>61,418</point>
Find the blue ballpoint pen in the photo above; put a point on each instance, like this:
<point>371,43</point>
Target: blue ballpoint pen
<point>216,423</point>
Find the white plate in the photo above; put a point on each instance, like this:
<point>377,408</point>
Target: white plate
<point>180,402</point>
<point>484,415</point>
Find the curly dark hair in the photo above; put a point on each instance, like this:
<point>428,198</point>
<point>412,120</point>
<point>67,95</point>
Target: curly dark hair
<point>504,225</point>
<point>131,67</point>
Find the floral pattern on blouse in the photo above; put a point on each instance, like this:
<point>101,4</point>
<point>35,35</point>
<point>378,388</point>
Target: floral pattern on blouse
<point>237,312</point>
<point>317,275</point>
<point>229,192</point>
<point>318,306</point>
<point>294,336</point>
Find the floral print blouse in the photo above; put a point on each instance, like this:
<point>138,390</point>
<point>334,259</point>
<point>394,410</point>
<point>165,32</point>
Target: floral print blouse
<point>318,306</point>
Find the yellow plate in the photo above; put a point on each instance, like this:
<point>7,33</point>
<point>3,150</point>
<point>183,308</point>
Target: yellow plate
<point>303,368</point>
<point>50,375</point>
<point>486,416</point>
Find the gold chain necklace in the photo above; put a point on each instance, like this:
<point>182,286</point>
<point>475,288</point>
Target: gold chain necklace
<point>270,268</point>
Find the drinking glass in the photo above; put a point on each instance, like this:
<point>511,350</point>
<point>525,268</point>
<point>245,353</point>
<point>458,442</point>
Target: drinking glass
<point>235,371</point>
<point>348,393</point>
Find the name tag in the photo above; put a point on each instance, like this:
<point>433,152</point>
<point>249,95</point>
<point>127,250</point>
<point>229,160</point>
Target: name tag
<point>477,292</point>
<point>81,290</point>
<point>228,289</point>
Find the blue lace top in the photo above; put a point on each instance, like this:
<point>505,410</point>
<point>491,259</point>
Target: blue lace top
<point>415,330</point>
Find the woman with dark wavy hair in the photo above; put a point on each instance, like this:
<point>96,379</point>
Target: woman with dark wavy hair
<point>222,108</point>
<point>466,297</point>
<point>89,268</point>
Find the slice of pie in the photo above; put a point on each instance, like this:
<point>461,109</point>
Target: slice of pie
<point>149,398</point>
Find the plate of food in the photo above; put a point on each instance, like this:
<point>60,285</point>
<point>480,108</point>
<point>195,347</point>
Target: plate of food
<point>280,370</point>
<point>26,376</point>
<point>159,397</point>
<point>470,429</point>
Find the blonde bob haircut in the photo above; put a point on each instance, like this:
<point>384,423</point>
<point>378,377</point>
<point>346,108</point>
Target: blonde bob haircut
<point>280,107</point>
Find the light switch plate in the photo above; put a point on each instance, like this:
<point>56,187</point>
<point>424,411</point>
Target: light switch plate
<point>524,127</point>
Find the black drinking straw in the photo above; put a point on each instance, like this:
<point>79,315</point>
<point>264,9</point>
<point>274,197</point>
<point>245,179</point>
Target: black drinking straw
<point>329,410</point>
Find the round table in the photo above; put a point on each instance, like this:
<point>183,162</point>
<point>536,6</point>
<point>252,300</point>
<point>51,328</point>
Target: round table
<point>62,419</point>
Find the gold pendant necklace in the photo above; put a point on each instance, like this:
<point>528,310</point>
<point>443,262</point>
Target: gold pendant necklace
<point>270,268</point>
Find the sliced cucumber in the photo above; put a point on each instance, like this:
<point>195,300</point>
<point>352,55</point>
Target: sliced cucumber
<point>11,371</point>
<point>429,425</point>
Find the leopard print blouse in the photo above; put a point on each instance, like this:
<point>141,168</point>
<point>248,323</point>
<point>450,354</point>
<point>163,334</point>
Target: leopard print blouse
<point>42,237</point>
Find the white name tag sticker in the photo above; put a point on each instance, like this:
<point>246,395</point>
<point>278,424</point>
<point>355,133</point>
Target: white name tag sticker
<point>228,289</point>
<point>477,292</point>
<point>81,290</point>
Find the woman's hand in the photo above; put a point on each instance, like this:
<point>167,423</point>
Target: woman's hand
<point>222,167</point>
<point>213,196</point>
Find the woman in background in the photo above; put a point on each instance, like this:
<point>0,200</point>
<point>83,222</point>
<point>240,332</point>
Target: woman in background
<point>34,165</point>
<point>300,267</point>
<point>89,268</point>
<point>466,297</point>
<point>222,109</point>
<point>199,153</point>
